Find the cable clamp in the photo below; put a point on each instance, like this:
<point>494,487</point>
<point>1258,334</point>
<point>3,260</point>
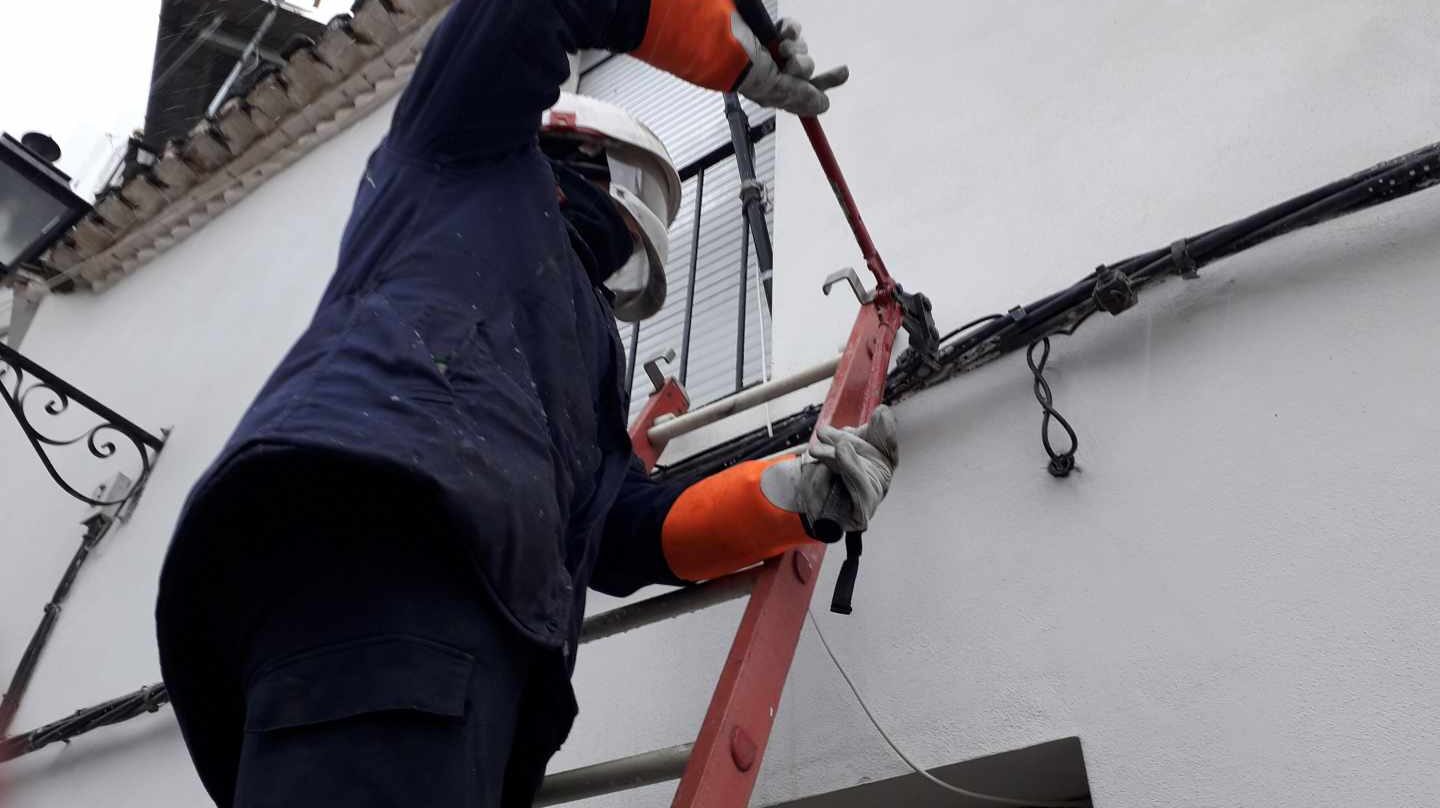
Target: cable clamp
<point>1113,291</point>
<point>752,190</point>
<point>1184,262</point>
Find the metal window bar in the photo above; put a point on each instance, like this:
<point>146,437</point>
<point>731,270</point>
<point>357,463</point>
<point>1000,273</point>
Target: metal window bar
<point>695,319</point>
<point>743,285</point>
<point>690,287</point>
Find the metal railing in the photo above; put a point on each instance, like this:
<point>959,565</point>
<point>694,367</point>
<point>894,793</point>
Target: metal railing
<point>744,137</point>
<point>576,784</point>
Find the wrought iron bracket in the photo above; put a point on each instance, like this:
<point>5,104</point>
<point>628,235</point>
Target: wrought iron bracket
<point>22,382</point>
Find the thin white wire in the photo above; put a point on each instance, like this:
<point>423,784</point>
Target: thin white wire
<point>974,795</point>
<point>764,360</point>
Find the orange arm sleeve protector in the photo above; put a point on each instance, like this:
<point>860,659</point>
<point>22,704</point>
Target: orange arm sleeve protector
<point>724,523</point>
<point>692,39</point>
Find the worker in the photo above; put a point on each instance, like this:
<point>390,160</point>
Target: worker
<point>374,594</point>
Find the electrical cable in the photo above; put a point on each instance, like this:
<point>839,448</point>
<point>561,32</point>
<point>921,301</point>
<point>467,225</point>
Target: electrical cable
<point>962,329</point>
<point>1063,311</point>
<point>761,304</point>
<point>1061,463</point>
<point>974,795</point>
<point>145,700</point>
<point>987,338</point>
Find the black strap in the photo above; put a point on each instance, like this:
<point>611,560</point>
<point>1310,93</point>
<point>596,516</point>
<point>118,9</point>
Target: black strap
<point>845,581</point>
<point>1185,265</point>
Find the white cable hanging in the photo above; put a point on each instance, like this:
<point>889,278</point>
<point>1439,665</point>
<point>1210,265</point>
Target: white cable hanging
<point>974,795</point>
<point>760,306</point>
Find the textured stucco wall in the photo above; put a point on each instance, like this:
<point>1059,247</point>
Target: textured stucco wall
<point>185,343</point>
<point>1235,604</point>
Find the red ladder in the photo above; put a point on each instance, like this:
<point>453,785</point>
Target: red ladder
<point>720,768</point>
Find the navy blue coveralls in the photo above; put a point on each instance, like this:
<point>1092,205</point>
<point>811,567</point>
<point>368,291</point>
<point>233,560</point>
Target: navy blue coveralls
<point>374,594</point>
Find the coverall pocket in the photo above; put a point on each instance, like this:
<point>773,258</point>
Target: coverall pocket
<point>437,337</point>
<point>378,721</point>
<point>364,676</point>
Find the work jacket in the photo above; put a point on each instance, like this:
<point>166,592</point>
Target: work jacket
<point>465,342</point>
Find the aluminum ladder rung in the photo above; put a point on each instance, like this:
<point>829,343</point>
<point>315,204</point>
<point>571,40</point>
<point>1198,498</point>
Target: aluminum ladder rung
<point>671,604</point>
<point>623,774</point>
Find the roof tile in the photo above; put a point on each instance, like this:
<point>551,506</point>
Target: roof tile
<point>359,62</point>
<point>236,125</point>
<point>338,49</point>
<point>268,98</point>
<point>174,172</point>
<point>113,209</point>
<point>91,237</point>
<point>205,150</point>
<point>373,24</point>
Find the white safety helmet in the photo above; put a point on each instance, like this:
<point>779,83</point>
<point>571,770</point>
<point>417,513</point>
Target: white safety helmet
<point>643,183</point>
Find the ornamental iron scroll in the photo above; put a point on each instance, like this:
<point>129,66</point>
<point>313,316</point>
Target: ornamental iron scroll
<point>29,389</point>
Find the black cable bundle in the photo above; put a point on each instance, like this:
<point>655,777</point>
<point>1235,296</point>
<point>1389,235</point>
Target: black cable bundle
<point>1112,288</point>
<point>1063,311</point>
<point>145,700</point>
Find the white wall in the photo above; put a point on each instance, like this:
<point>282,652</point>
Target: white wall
<point>185,343</point>
<point>1234,604</point>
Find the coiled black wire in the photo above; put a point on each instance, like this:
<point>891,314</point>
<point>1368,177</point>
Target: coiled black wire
<point>1061,463</point>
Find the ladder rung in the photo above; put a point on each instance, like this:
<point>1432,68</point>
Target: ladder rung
<point>668,605</point>
<point>611,776</point>
<point>748,398</point>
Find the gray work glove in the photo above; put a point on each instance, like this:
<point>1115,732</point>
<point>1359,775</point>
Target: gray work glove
<point>792,85</point>
<point>861,459</point>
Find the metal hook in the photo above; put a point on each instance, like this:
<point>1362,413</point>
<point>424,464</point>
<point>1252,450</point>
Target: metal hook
<point>848,275</point>
<point>652,368</point>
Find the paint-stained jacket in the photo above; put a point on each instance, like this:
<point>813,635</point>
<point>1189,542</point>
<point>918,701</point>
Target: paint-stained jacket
<point>465,340</point>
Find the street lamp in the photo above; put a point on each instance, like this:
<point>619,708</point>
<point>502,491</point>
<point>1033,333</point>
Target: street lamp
<point>37,206</point>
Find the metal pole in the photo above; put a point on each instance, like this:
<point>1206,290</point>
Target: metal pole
<point>240,64</point>
<point>20,680</point>
<point>614,775</point>
<point>671,604</point>
<point>740,318</point>
<point>634,351</point>
<point>747,399</point>
<point>751,191</point>
<point>694,267</point>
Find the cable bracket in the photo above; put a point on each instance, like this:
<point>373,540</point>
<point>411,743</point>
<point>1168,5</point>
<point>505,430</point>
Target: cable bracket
<point>1184,262</point>
<point>752,190</point>
<point>1113,292</point>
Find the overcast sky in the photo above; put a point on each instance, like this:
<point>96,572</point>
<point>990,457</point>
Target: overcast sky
<point>79,70</point>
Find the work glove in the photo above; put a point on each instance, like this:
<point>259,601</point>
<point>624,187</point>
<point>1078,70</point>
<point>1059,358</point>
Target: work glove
<point>792,85</point>
<point>759,509</point>
<point>706,42</point>
<point>842,477</point>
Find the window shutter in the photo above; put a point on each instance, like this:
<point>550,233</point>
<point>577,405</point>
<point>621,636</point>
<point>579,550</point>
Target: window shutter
<point>691,122</point>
